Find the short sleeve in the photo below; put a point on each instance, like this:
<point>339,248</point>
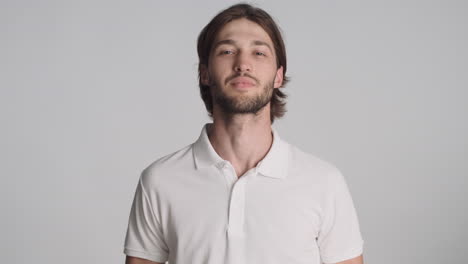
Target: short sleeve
<point>339,238</point>
<point>144,237</point>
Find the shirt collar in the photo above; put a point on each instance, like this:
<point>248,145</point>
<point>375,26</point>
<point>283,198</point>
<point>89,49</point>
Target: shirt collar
<point>274,164</point>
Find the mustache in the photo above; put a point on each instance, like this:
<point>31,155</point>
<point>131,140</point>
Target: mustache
<point>241,75</point>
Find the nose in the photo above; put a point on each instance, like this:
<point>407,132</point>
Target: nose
<point>242,63</point>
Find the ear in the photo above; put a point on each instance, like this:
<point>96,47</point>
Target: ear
<point>204,75</point>
<point>279,77</point>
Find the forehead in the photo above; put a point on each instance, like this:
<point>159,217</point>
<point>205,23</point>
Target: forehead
<point>241,29</point>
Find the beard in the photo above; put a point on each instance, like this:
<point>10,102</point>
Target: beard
<point>242,104</point>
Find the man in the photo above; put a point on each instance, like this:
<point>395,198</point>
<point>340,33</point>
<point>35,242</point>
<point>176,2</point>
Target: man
<point>240,194</point>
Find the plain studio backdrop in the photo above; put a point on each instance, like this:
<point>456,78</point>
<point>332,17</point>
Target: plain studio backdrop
<point>92,92</point>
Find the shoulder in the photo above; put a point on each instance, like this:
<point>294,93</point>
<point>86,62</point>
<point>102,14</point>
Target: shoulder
<point>314,168</point>
<point>163,167</point>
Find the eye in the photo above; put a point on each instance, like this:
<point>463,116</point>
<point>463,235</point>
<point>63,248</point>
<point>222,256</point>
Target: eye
<point>225,52</point>
<point>260,53</point>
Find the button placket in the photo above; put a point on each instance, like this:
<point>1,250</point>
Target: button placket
<point>230,172</point>
<point>236,209</point>
<point>224,169</point>
<point>236,189</point>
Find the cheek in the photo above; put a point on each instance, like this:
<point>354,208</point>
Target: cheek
<point>219,71</point>
<point>221,62</point>
<point>268,73</point>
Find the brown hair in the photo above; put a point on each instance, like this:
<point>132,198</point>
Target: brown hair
<point>263,19</point>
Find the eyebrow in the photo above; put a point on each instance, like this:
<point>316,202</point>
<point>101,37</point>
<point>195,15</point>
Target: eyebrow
<point>233,42</point>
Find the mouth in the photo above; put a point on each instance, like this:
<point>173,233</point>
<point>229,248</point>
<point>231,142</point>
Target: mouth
<point>242,82</point>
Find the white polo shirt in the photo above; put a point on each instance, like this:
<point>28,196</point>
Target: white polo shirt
<point>191,208</point>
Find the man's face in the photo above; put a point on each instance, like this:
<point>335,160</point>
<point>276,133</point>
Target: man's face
<point>242,71</point>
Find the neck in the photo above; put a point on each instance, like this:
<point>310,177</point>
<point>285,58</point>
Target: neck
<point>243,140</point>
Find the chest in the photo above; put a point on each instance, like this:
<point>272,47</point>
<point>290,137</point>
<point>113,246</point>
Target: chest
<point>268,215</point>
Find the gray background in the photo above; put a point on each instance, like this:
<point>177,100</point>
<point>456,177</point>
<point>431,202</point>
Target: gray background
<point>94,91</point>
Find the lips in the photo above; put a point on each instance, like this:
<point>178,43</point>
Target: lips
<point>242,81</point>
